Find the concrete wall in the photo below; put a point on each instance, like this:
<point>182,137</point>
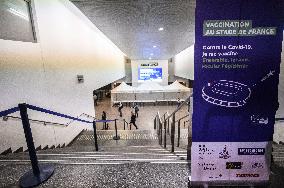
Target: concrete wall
<point>279,126</point>
<point>45,73</point>
<point>135,65</point>
<point>184,63</point>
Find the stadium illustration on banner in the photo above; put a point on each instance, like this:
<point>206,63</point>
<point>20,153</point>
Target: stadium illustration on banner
<point>229,94</point>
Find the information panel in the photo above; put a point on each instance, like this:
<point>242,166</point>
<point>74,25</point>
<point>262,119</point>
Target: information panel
<point>237,63</point>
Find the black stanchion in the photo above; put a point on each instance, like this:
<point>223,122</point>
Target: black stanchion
<point>123,124</point>
<point>178,133</point>
<point>173,133</point>
<point>39,173</point>
<point>95,135</point>
<point>155,121</point>
<point>116,137</point>
<point>165,135</point>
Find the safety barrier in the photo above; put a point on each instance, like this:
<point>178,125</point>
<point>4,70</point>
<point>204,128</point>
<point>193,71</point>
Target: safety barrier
<point>41,173</point>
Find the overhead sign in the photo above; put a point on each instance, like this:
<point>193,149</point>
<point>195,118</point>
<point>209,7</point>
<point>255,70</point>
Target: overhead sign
<point>237,64</point>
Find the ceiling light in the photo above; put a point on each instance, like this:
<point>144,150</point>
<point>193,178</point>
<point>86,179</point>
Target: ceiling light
<point>150,58</point>
<point>151,54</point>
<point>161,29</point>
<point>154,46</point>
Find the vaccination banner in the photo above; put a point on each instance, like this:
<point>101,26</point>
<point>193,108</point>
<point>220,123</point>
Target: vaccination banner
<point>237,63</point>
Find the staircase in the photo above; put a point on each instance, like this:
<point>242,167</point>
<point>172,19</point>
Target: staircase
<point>136,160</point>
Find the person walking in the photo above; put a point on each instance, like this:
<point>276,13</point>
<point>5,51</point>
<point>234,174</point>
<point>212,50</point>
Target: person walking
<point>133,120</point>
<point>136,109</point>
<point>178,102</point>
<point>120,106</point>
<point>104,123</point>
<point>95,99</point>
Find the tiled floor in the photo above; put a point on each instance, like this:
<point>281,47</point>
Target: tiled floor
<point>146,114</point>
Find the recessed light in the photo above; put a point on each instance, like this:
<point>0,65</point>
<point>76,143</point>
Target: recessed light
<point>154,46</point>
<point>161,29</point>
<point>150,58</point>
<point>151,54</point>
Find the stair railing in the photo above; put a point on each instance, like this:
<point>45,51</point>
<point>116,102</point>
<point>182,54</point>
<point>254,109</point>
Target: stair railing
<point>168,124</point>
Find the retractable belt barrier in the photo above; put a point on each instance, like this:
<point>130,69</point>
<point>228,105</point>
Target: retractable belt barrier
<point>41,172</point>
<point>9,111</point>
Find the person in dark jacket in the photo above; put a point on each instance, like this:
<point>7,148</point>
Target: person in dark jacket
<point>133,120</point>
<point>104,118</point>
<point>136,110</point>
<point>120,106</point>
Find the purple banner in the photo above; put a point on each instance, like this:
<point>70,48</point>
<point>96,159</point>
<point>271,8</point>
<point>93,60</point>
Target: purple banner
<point>237,64</point>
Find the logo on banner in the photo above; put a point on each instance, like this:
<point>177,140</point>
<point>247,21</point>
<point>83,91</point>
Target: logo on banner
<point>247,175</point>
<point>234,165</point>
<point>216,177</point>
<point>257,165</point>
<point>203,150</point>
<point>258,120</point>
<point>224,154</point>
<point>251,151</point>
<point>207,166</point>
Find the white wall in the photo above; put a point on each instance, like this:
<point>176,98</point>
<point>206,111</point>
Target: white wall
<point>135,65</point>
<point>45,73</point>
<point>184,63</point>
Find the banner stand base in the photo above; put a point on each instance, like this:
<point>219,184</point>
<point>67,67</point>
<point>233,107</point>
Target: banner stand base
<point>259,184</point>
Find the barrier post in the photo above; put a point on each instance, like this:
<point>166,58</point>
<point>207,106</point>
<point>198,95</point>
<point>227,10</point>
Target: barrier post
<point>95,135</point>
<point>178,133</point>
<point>155,121</point>
<point>123,124</point>
<point>173,133</point>
<point>165,135</point>
<point>39,173</point>
<point>116,137</point>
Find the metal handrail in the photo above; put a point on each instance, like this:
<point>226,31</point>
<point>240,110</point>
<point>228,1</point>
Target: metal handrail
<point>89,116</point>
<point>182,118</point>
<point>178,108</point>
<point>279,119</point>
<point>159,116</point>
<point>36,120</point>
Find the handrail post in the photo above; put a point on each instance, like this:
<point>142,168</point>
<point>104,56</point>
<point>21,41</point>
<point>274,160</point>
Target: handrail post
<point>173,133</point>
<point>116,137</point>
<point>38,174</point>
<point>178,133</point>
<point>165,135</point>
<point>95,135</point>
<point>168,126</point>
<point>161,133</point>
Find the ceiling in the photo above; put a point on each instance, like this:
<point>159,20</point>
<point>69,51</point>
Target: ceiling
<point>133,25</point>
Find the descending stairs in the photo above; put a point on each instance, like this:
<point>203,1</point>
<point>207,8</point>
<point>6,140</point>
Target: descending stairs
<point>134,161</point>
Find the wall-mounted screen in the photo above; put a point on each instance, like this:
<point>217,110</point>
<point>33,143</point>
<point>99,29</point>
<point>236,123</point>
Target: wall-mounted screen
<point>153,74</point>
